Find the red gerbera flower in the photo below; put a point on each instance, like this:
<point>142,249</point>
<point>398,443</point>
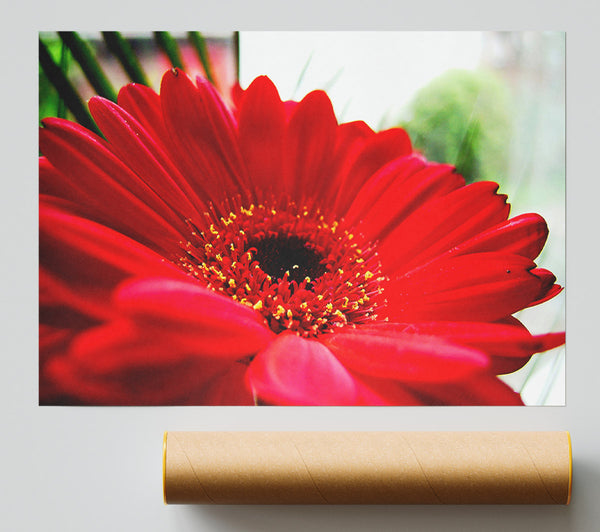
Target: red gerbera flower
<point>272,256</point>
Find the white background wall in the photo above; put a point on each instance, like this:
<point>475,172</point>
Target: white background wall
<point>98,469</point>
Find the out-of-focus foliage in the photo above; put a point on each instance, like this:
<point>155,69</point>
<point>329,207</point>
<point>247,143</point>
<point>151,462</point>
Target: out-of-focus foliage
<point>75,67</point>
<point>50,104</point>
<point>463,118</point>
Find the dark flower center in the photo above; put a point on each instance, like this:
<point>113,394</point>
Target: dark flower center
<point>300,272</point>
<point>281,254</point>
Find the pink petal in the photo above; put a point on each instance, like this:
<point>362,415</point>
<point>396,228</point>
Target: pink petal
<point>295,371</point>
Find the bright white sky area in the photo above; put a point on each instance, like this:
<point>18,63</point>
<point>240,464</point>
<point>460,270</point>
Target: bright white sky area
<point>368,75</point>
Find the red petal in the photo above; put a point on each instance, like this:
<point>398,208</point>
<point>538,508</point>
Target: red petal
<point>506,365</point>
<point>552,291</point>
<point>61,192</point>
<point>415,184</point>
<point>261,131</point>
<point>290,107</point>
<point>201,138</point>
<point>482,390</point>
<point>111,189</point>
<point>396,171</point>
<point>92,257</point>
<point>142,154</point>
<point>63,305</point>
<point>308,145</point>
<point>223,122</point>
<point>496,339</point>
<point>295,371</point>
<point>476,287</point>
<point>522,235</point>
<point>173,384</point>
<point>228,389</point>
<point>350,138</point>
<point>193,318</point>
<point>144,105</point>
<point>442,224</point>
<point>377,151</point>
<point>123,345</point>
<point>53,341</point>
<point>236,95</point>
<point>55,183</point>
<point>405,357</point>
<point>384,392</point>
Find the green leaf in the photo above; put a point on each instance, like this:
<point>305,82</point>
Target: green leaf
<point>168,44</point>
<point>122,49</point>
<point>84,55</point>
<point>199,44</point>
<point>65,89</point>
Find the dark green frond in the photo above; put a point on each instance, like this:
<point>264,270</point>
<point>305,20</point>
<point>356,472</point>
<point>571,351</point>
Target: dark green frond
<point>65,89</point>
<point>169,46</point>
<point>199,44</point>
<point>84,55</point>
<point>120,47</point>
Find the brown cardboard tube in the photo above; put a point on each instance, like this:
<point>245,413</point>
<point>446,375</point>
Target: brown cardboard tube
<point>367,467</point>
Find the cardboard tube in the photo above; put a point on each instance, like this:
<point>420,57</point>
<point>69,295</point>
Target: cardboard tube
<point>367,467</point>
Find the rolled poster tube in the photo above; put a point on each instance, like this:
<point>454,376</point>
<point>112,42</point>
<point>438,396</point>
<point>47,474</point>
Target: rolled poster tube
<point>367,467</point>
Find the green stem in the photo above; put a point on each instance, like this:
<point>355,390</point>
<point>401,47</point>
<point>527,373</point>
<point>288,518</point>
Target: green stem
<point>122,49</point>
<point>168,44</point>
<point>84,55</point>
<point>199,43</point>
<point>65,89</point>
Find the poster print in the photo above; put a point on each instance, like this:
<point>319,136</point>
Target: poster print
<point>208,242</point>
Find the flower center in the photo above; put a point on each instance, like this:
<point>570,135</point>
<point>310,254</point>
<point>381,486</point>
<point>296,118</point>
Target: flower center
<point>281,254</point>
<point>300,272</point>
